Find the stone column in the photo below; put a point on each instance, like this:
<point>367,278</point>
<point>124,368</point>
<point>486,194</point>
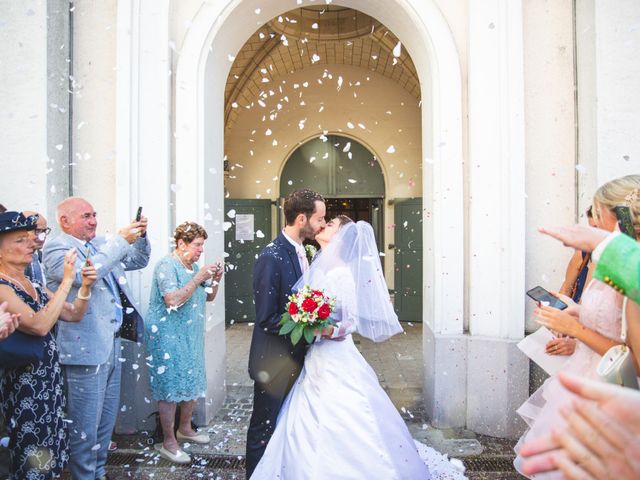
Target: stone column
<point>497,372</point>
<point>143,169</point>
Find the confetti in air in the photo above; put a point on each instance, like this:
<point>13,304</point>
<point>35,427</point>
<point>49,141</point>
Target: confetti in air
<point>397,49</point>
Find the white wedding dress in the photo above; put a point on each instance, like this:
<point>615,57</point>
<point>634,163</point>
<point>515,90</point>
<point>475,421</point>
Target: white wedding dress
<point>338,422</point>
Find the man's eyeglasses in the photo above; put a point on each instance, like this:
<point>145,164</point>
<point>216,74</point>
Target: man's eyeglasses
<point>40,231</point>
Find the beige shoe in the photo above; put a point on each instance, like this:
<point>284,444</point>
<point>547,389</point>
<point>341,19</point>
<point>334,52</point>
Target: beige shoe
<point>201,438</point>
<point>178,457</point>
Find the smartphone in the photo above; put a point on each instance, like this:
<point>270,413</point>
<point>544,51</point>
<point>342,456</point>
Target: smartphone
<point>539,294</point>
<point>139,214</point>
<point>623,214</point>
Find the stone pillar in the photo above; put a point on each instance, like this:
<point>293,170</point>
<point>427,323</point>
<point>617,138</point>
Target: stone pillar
<point>497,372</point>
<point>143,170</point>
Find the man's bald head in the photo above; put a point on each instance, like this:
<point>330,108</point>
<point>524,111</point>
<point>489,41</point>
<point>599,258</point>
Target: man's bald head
<point>77,217</point>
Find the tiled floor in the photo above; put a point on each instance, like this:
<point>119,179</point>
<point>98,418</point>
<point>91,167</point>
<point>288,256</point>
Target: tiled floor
<point>398,363</point>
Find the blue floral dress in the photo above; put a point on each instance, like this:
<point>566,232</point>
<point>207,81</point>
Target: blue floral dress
<point>175,336</point>
<point>32,401</point>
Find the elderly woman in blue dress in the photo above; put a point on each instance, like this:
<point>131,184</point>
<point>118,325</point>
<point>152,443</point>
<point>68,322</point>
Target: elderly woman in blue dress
<point>175,336</point>
<point>32,399</point>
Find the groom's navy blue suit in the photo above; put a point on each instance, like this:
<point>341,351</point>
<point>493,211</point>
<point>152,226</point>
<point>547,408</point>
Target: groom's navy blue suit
<point>274,364</point>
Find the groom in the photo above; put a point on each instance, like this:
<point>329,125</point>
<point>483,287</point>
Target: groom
<point>274,364</point>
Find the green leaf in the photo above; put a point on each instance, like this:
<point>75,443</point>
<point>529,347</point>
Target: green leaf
<point>296,335</point>
<point>308,335</point>
<point>284,318</point>
<point>287,328</point>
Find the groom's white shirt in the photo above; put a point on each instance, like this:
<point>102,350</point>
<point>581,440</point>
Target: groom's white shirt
<point>300,251</point>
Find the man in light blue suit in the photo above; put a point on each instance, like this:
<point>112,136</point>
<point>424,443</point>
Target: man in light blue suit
<point>90,349</point>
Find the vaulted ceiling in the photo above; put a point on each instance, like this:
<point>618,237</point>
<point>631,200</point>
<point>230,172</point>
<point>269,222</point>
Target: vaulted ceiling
<point>310,36</point>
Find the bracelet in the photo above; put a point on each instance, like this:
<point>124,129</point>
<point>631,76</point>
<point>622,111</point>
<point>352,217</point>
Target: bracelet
<point>80,297</point>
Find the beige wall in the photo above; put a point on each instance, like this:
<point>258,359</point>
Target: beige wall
<point>389,115</point>
<point>94,107</point>
<point>23,96</point>
<point>549,138</point>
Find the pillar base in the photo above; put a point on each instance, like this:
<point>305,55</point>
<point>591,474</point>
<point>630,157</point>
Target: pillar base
<point>475,383</point>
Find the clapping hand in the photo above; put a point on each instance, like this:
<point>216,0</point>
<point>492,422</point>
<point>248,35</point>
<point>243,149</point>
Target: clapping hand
<point>8,321</point>
<point>89,273</point>
<point>69,265</point>
<point>211,271</point>
<point>602,437</point>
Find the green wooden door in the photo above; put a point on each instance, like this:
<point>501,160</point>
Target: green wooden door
<point>408,259</point>
<point>243,240</point>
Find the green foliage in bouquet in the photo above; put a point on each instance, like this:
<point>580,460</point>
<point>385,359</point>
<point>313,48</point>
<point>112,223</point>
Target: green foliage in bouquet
<point>308,312</point>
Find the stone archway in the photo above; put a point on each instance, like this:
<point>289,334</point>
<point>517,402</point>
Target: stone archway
<point>219,30</point>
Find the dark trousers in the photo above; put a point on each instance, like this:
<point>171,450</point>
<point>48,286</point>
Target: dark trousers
<point>267,401</point>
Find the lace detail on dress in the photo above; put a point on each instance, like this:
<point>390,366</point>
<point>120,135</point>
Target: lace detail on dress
<point>175,336</point>
<point>32,401</point>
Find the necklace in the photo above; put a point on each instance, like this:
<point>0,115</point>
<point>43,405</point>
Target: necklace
<point>19,284</point>
<point>182,263</point>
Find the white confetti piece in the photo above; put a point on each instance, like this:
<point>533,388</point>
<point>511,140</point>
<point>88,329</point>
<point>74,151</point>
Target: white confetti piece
<point>397,50</point>
<point>391,149</point>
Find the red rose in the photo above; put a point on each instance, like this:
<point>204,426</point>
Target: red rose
<point>324,311</point>
<point>317,293</point>
<point>293,308</point>
<point>309,305</point>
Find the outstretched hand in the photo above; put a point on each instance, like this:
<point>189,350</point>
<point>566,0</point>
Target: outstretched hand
<point>579,237</point>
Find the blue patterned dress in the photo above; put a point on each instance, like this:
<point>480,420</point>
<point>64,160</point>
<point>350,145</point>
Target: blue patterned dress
<point>32,401</point>
<point>175,336</point>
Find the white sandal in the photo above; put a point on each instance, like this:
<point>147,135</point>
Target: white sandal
<point>178,457</point>
<point>198,438</point>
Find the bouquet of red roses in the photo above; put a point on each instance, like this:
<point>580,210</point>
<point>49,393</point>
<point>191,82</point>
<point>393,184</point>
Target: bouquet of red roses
<point>308,312</point>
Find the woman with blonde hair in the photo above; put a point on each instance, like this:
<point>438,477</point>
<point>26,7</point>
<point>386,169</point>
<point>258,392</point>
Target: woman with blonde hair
<point>595,323</point>
<point>175,336</point>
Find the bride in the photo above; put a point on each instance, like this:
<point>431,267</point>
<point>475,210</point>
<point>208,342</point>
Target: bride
<point>337,422</point>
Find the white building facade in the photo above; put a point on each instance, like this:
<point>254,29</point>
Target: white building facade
<point>525,107</point>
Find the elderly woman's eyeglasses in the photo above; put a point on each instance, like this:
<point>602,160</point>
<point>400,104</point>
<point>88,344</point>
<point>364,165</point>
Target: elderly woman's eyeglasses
<point>42,231</point>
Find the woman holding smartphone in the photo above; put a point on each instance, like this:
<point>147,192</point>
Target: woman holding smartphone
<point>595,323</point>
<point>175,336</point>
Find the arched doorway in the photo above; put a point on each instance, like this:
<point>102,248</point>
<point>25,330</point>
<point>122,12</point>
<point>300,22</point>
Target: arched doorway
<point>345,172</point>
<point>219,30</point>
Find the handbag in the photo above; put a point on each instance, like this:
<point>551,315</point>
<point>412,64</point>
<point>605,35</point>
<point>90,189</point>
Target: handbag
<point>130,319</point>
<point>616,365</point>
<point>21,349</point>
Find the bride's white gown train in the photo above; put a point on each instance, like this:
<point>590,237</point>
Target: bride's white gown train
<point>338,423</point>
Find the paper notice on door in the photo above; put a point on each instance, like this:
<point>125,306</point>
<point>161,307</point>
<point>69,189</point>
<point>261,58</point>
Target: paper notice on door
<point>533,347</point>
<point>244,227</point>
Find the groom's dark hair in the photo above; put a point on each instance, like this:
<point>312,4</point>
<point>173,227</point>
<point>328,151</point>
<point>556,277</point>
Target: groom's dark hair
<point>300,201</point>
